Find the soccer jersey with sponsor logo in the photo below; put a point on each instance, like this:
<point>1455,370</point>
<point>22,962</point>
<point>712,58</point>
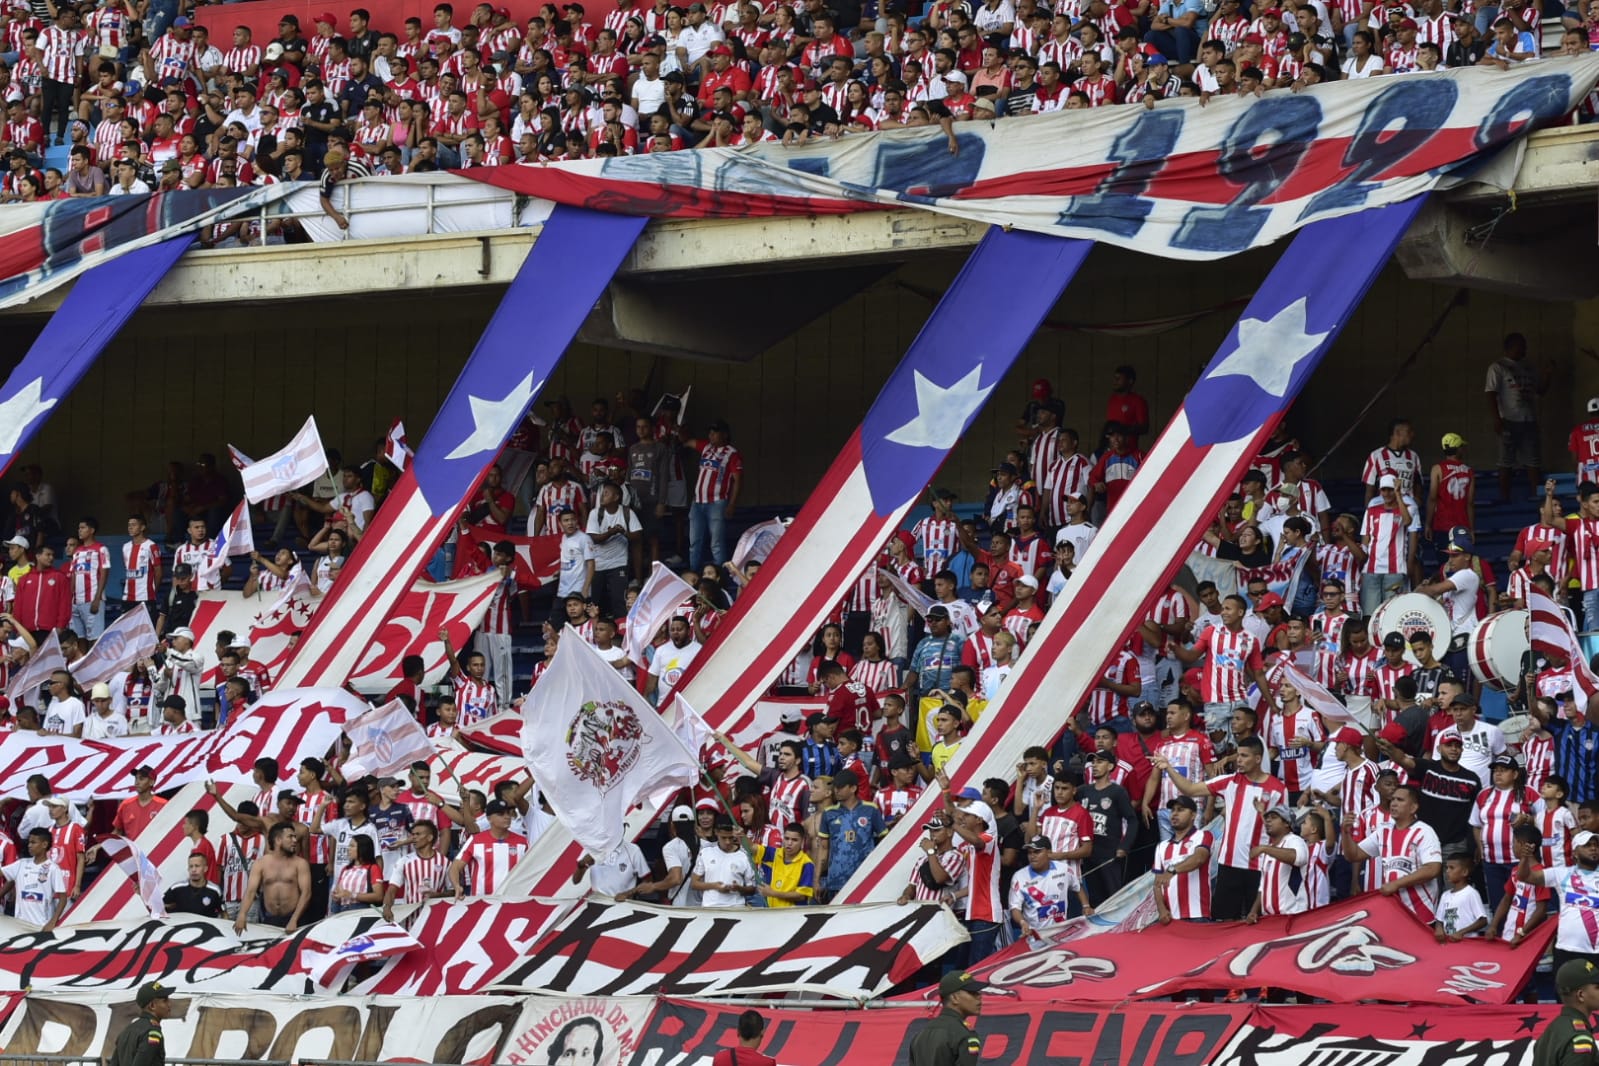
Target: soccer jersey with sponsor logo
<point>1187,895</point>
<point>1401,852</point>
<point>489,861</point>
<point>1243,824</point>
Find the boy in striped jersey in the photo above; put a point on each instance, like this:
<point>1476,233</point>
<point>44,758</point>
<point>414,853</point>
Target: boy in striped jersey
<point>1524,905</point>
<point>420,876</point>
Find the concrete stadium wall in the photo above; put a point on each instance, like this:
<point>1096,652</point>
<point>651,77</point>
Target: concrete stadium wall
<point>177,383</point>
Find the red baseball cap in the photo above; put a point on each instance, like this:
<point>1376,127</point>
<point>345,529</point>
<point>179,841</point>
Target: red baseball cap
<point>720,50</point>
<point>1268,601</point>
<point>328,17</point>
<point>1348,735</point>
<point>1408,24</point>
<point>1042,389</point>
<point>1193,677</point>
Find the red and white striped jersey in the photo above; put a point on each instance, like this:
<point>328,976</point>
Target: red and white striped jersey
<point>1524,898</point>
<point>565,495</point>
<point>1362,672</point>
<point>107,27</point>
<point>1063,476</point>
<point>983,903</point>
<point>1295,765</point>
<point>1403,465</point>
<point>1584,440</point>
<point>1329,629</point>
<point>1372,823</point>
<point>1556,539</point>
<point>238,60</point>
<point>1558,827</point>
<point>1232,657</point>
<point>141,562</point>
<point>497,620</point>
<point>1188,754</point>
<point>166,729</point>
<point>1042,449</point>
<point>1318,876</point>
<point>415,879</point>
<point>1311,499</point>
<point>1169,609</point>
<point>1495,813</point>
<point>1061,52</point>
<point>938,539</point>
<point>1538,758</point>
<point>879,678</point>
<point>489,861</point>
<point>1032,553</point>
<point>1358,793</point>
<point>863,592</point>
<point>1067,828</point>
<point>359,879</point>
<point>1383,534</point>
<point>88,563</point>
<point>786,800</point>
<point>1019,619</point>
<point>1103,704</point>
<point>953,861</point>
<point>1243,825</point>
<point>894,801</point>
<point>1186,895</point>
<point>1336,561</point>
<point>318,844</point>
<point>1278,892</point>
<point>238,854</point>
<point>1387,676</point>
<point>174,58</point>
<point>474,700</point>
<point>719,464</point>
<point>59,53</point>
<point>195,555</point>
<point>1584,551</point>
<point>1402,852</point>
<point>978,652</point>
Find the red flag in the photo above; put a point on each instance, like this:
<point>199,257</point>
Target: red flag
<point>395,450</point>
<point>538,559</point>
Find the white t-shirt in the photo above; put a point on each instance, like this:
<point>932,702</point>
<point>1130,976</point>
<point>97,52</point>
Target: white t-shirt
<point>576,550</point>
<point>1460,907</point>
<point>1079,537</point>
<point>64,715</point>
<point>1462,603</point>
<point>649,94</point>
<point>1278,894</point>
<point>360,505</point>
<point>38,885</point>
<point>612,555</point>
<point>108,727</point>
<point>669,663</point>
<point>341,832</point>
<point>619,871</point>
<point>1478,746</point>
<point>675,855</point>
<point>1577,891</point>
<point>723,867</point>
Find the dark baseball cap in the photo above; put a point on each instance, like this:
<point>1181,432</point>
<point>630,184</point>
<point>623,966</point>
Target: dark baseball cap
<point>152,991</point>
<point>959,982</point>
<point>497,807</point>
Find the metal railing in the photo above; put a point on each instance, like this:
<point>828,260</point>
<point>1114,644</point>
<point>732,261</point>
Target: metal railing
<point>276,211</point>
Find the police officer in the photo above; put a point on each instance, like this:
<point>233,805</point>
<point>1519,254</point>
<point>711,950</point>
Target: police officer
<point>1569,1038</point>
<point>946,1040</point>
<point>141,1043</point>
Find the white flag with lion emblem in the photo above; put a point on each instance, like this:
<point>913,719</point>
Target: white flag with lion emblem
<point>595,746</point>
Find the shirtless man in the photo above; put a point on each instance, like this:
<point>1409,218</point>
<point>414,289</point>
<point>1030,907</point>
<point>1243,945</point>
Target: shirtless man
<point>282,878</point>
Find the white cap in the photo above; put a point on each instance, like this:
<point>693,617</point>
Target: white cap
<point>16,642</point>
<point>1387,481</point>
<point>1587,836</point>
<point>1593,405</point>
<point>61,801</point>
<point>183,631</point>
<point>20,541</point>
<point>956,75</point>
<point>1029,580</point>
<point>981,809</point>
<point>101,691</point>
<point>682,813</point>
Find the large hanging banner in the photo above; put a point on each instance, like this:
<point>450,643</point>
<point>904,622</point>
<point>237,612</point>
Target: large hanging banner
<point>1180,180</point>
<point>618,949</point>
<point>559,283</point>
<point>473,1030</point>
<point>466,946</point>
<point>928,401</point>
<point>286,724</point>
<point>1226,418</point>
<point>1367,948</point>
<point>268,620</point>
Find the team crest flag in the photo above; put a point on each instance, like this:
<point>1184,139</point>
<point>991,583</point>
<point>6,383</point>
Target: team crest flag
<point>127,640</point>
<point>234,538</point>
<point>46,659</point>
<point>299,462</point>
<point>657,601</point>
<point>757,542</point>
<point>132,860</point>
<point>384,741</point>
<point>596,747</point>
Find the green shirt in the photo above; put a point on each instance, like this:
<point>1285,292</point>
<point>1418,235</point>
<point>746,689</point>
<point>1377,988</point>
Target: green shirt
<point>140,1044</point>
<point>945,1041</point>
<point>1568,1041</point>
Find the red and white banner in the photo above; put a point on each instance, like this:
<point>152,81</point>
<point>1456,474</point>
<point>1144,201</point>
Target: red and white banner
<point>657,601</point>
<point>383,741</point>
<point>538,559</point>
<point>757,542</point>
<point>234,538</point>
<point>442,1029</point>
<point>1550,633</point>
<point>1369,947</point>
<point>466,946</point>
<point>287,724</point>
<point>268,620</point>
<point>131,860</point>
<point>624,949</point>
<point>127,640</point>
<point>45,660</point>
<point>395,450</point>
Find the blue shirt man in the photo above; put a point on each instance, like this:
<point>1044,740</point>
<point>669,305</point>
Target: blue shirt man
<point>848,832</point>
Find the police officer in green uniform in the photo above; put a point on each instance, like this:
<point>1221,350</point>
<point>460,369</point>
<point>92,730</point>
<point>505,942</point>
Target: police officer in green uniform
<point>1568,1040</point>
<point>141,1043</point>
<point>947,1041</point>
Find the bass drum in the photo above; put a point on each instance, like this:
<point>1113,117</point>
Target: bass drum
<point>1412,613</point>
<point>1497,647</point>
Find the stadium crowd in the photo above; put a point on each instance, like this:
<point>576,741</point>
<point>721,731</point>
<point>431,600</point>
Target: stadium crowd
<point>147,99</point>
<point>1202,740</point>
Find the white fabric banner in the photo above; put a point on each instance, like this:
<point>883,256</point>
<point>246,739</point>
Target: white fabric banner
<point>127,640</point>
<point>657,601</point>
<point>299,462</point>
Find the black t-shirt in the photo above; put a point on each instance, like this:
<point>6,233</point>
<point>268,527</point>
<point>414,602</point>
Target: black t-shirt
<point>180,608</point>
<point>317,140</point>
<point>363,45</point>
<point>890,742</point>
<point>1112,813</point>
<point>186,899</point>
<point>1447,797</point>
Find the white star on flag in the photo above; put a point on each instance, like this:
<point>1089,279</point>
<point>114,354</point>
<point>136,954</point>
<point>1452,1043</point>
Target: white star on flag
<point>941,413</point>
<point>18,413</point>
<point>1268,352</point>
<point>493,420</point>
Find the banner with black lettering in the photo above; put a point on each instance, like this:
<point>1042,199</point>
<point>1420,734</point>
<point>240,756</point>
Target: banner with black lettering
<point>620,949</point>
<point>470,1030</point>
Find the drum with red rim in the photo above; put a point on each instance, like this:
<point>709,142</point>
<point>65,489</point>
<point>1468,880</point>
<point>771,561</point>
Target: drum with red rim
<point>1497,647</point>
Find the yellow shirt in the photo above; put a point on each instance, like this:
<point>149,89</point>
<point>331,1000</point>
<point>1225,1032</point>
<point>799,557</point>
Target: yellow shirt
<point>943,753</point>
<point>797,876</point>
